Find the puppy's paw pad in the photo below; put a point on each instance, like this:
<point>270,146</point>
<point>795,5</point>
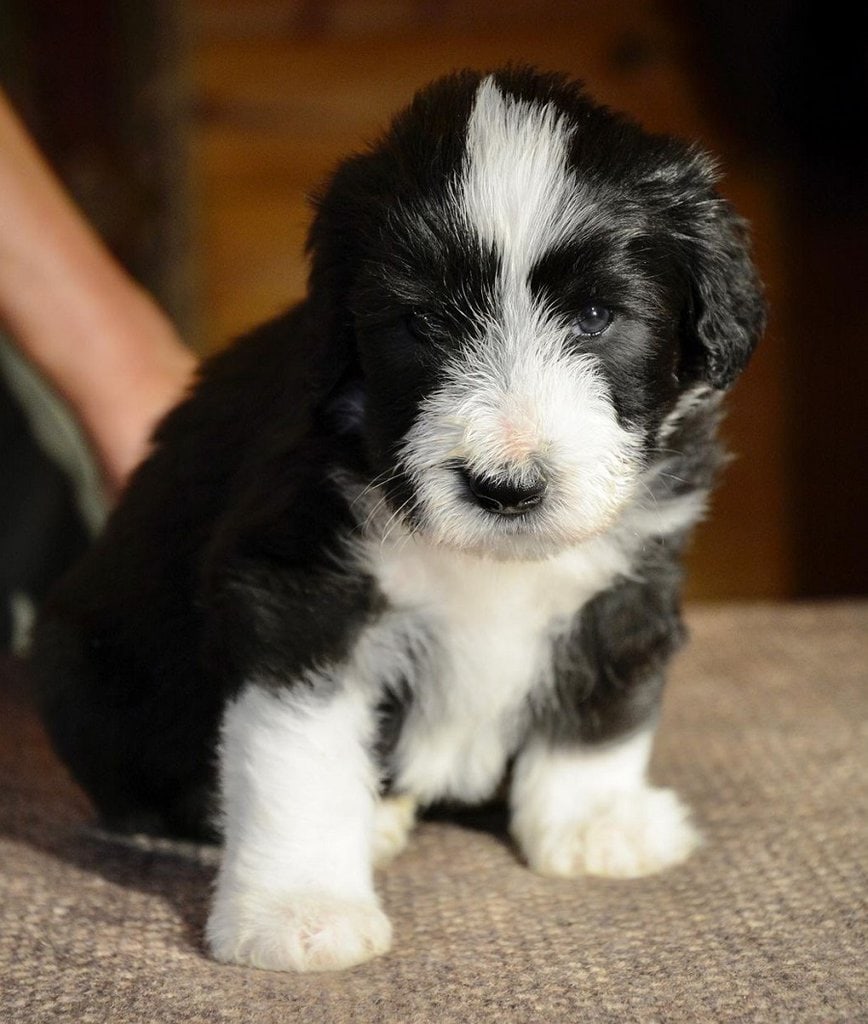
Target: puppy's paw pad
<point>626,836</point>
<point>393,821</point>
<point>299,932</point>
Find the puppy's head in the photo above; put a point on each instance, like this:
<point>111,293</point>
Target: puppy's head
<point>527,284</point>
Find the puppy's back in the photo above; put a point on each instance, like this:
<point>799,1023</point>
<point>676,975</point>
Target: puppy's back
<point>117,653</point>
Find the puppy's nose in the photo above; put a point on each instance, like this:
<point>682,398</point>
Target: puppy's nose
<point>503,497</point>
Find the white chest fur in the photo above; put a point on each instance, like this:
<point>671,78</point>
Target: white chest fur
<point>486,629</point>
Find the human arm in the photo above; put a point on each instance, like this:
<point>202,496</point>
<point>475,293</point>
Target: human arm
<point>94,333</point>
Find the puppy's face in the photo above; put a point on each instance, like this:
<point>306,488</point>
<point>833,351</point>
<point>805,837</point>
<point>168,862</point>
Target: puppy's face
<point>520,297</point>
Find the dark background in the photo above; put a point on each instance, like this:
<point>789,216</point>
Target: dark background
<point>191,133</point>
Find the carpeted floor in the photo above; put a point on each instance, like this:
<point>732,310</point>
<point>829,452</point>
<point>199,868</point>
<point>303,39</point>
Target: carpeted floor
<point>765,733</point>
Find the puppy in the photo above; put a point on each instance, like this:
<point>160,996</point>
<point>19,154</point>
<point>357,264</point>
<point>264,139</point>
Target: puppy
<point>423,533</point>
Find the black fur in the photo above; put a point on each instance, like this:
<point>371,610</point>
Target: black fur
<point>224,561</point>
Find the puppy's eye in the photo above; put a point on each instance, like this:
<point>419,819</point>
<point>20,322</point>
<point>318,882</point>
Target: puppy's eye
<point>592,320</point>
<point>419,326</point>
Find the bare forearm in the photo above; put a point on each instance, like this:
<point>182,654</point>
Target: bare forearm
<point>98,338</point>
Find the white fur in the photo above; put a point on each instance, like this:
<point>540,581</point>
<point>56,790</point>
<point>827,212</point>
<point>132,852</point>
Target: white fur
<point>590,811</point>
<point>295,888</point>
<point>481,632</point>
<point>517,190</point>
<point>699,394</point>
<point>664,517</point>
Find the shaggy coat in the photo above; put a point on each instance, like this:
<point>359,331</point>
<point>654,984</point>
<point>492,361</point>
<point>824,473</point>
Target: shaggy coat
<point>422,534</point>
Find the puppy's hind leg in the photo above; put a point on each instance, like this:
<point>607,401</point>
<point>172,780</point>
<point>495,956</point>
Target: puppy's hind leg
<point>295,889</point>
<point>394,818</point>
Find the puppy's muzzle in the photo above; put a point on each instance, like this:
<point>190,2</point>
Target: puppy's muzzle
<point>505,497</point>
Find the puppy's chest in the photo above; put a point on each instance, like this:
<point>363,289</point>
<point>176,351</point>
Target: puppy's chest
<point>481,634</point>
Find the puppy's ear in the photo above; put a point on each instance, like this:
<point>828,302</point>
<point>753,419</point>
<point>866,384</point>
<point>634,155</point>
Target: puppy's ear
<point>724,312</point>
<point>333,246</point>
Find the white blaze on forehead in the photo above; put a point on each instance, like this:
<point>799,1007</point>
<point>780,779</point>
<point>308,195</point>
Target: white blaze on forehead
<point>517,191</point>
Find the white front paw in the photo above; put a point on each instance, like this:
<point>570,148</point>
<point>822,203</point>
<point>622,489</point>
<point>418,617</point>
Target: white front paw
<point>624,835</point>
<point>296,931</point>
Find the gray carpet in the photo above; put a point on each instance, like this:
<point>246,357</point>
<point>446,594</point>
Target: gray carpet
<point>766,735</point>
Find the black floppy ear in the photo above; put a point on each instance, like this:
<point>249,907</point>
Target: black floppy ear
<point>725,312</point>
<point>344,210</point>
<point>724,309</point>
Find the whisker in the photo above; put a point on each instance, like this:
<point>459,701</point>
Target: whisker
<point>386,477</point>
<point>677,479</point>
<point>392,522</point>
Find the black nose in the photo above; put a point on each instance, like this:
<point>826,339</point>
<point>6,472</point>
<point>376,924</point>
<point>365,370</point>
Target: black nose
<point>503,497</point>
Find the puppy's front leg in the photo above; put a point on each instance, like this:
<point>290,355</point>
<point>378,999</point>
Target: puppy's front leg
<point>581,801</point>
<point>587,809</point>
<point>295,889</point>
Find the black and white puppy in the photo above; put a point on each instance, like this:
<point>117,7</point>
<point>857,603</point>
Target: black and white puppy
<point>422,533</point>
